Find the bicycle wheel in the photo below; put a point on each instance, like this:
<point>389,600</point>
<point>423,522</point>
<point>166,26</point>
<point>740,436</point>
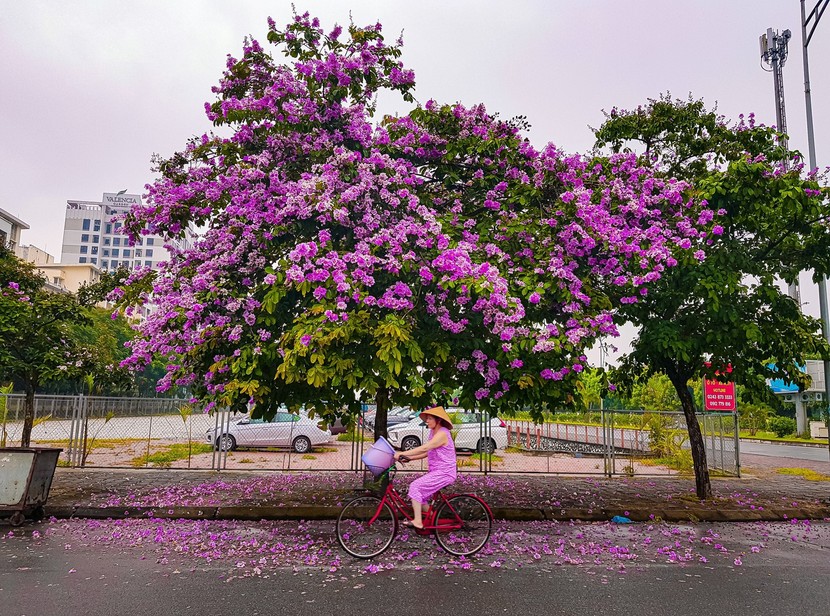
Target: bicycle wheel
<point>366,527</point>
<point>463,525</point>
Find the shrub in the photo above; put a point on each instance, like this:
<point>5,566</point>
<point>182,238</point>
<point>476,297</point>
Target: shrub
<point>782,426</point>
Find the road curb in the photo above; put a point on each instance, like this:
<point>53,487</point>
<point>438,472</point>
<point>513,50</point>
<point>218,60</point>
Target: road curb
<point>512,514</point>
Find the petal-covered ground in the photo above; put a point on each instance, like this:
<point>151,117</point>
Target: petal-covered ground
<point>244,549</point>
<point>154,489</point>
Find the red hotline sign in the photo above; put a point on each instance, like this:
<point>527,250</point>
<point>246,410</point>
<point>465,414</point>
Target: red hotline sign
<point>719,396</point>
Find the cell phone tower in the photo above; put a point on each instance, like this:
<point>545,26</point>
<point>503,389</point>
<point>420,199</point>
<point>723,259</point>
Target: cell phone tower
<point>774,55</point>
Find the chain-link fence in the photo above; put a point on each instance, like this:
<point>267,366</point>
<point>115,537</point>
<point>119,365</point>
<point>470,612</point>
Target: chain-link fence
<point>615,442</point>
<point>171,433</point>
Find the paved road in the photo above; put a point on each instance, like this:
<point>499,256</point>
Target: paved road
<point>124,570</point>
<point>775,450</point>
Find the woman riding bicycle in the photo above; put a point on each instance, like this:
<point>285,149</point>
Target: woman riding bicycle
<point>439,450</point>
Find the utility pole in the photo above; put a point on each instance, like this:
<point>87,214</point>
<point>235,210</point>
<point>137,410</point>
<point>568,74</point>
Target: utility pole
<point>810,22</point>
<point>774,55</point>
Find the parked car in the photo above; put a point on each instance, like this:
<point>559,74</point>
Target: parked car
<point>284,430</point>
<point>467,433</point>
<point>336,428</point>
<point>396,416</point>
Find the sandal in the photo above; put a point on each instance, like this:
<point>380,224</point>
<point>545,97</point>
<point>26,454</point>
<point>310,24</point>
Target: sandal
<point>409,524</point>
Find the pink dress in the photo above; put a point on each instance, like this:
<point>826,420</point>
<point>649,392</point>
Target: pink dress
<point>442,470</point>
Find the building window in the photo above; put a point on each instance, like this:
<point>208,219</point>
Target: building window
<point>95,239</point>
<point>82,260</point>
<point>125,252</point>
<point>116,241</point>
<point>93,260</point>
<point>84,237</point>
<point>138,253</point>
<point>96,225</point>
<point>139,242</point>
<point>125,264</point>
<point>105,264</point>
<point>115,252</point>
<point>106,252</point>
<point>150,241</point>
<point>148,252</point>
<point>117,226</point>
<point>106,241</point>
<point>84,249</point>
<point>85,224</point>
<point>148,263</point>
<point>94,250</point>
<point>108,228</point>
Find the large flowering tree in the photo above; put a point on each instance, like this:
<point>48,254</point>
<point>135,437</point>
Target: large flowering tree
<point>343,260</point>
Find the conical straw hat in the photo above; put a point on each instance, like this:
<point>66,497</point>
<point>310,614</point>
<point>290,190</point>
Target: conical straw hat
<point>440,413</point>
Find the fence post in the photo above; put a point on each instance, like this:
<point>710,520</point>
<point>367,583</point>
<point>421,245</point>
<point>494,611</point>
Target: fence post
<point>73,429</point>
<point>737,445</point>
<point>149,436</point>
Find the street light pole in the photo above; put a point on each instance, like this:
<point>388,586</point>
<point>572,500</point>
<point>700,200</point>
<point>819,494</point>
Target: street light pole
<point>811,21</point>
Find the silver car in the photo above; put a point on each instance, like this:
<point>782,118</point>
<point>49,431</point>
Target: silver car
<point>284,430</point>
<point>468,433</point>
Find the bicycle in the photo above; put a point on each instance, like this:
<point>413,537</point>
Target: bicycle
<point>368,524</point>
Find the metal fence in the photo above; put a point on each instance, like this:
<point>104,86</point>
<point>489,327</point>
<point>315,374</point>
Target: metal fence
<point>171,433</point>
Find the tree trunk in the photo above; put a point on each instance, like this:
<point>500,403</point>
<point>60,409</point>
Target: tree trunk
<point>703,486</point>
<point>28,416</point>
<point>381,413</point>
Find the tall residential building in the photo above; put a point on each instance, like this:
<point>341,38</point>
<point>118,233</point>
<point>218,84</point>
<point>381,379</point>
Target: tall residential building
<point>10,228</point>
<point>90,235</point>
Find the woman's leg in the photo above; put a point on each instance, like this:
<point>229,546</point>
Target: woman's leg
<point>417,519</point>
<point>421,490</point>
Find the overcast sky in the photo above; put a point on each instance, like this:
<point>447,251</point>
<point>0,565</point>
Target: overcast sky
<point>91,89</point>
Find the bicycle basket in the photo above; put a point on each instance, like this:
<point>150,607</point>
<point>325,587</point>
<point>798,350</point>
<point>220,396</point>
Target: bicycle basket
<point>377,485</point>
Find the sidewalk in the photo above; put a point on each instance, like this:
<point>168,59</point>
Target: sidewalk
<point>115,493</point>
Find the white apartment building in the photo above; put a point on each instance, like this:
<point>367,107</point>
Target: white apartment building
<point>10,228</point>
<point>90,235</point>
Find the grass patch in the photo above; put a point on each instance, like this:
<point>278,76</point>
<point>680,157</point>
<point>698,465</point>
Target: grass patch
<point>309,456</point>
<point>682,463</point>
<point>325,449</point>
<point>352,436</point>
<point>763,435</point>
<point>246,461</point>
<point>172,453</point>
<point>476,458</point>
<point>808,474</point>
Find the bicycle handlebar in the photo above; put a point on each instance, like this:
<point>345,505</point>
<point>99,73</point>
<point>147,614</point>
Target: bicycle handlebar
<point>404,459</point>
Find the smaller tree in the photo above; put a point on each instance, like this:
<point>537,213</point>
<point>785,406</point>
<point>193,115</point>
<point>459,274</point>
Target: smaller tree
<point>722,303</point>
<point>36,344</point>
<point>655,393</point>
<point>753,417</point>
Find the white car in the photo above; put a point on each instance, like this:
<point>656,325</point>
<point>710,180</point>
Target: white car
<point>284,430</point>
<point>468,433</point>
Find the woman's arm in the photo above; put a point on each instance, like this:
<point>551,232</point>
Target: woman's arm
<point>408,455</point>
<point>420,452</point>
